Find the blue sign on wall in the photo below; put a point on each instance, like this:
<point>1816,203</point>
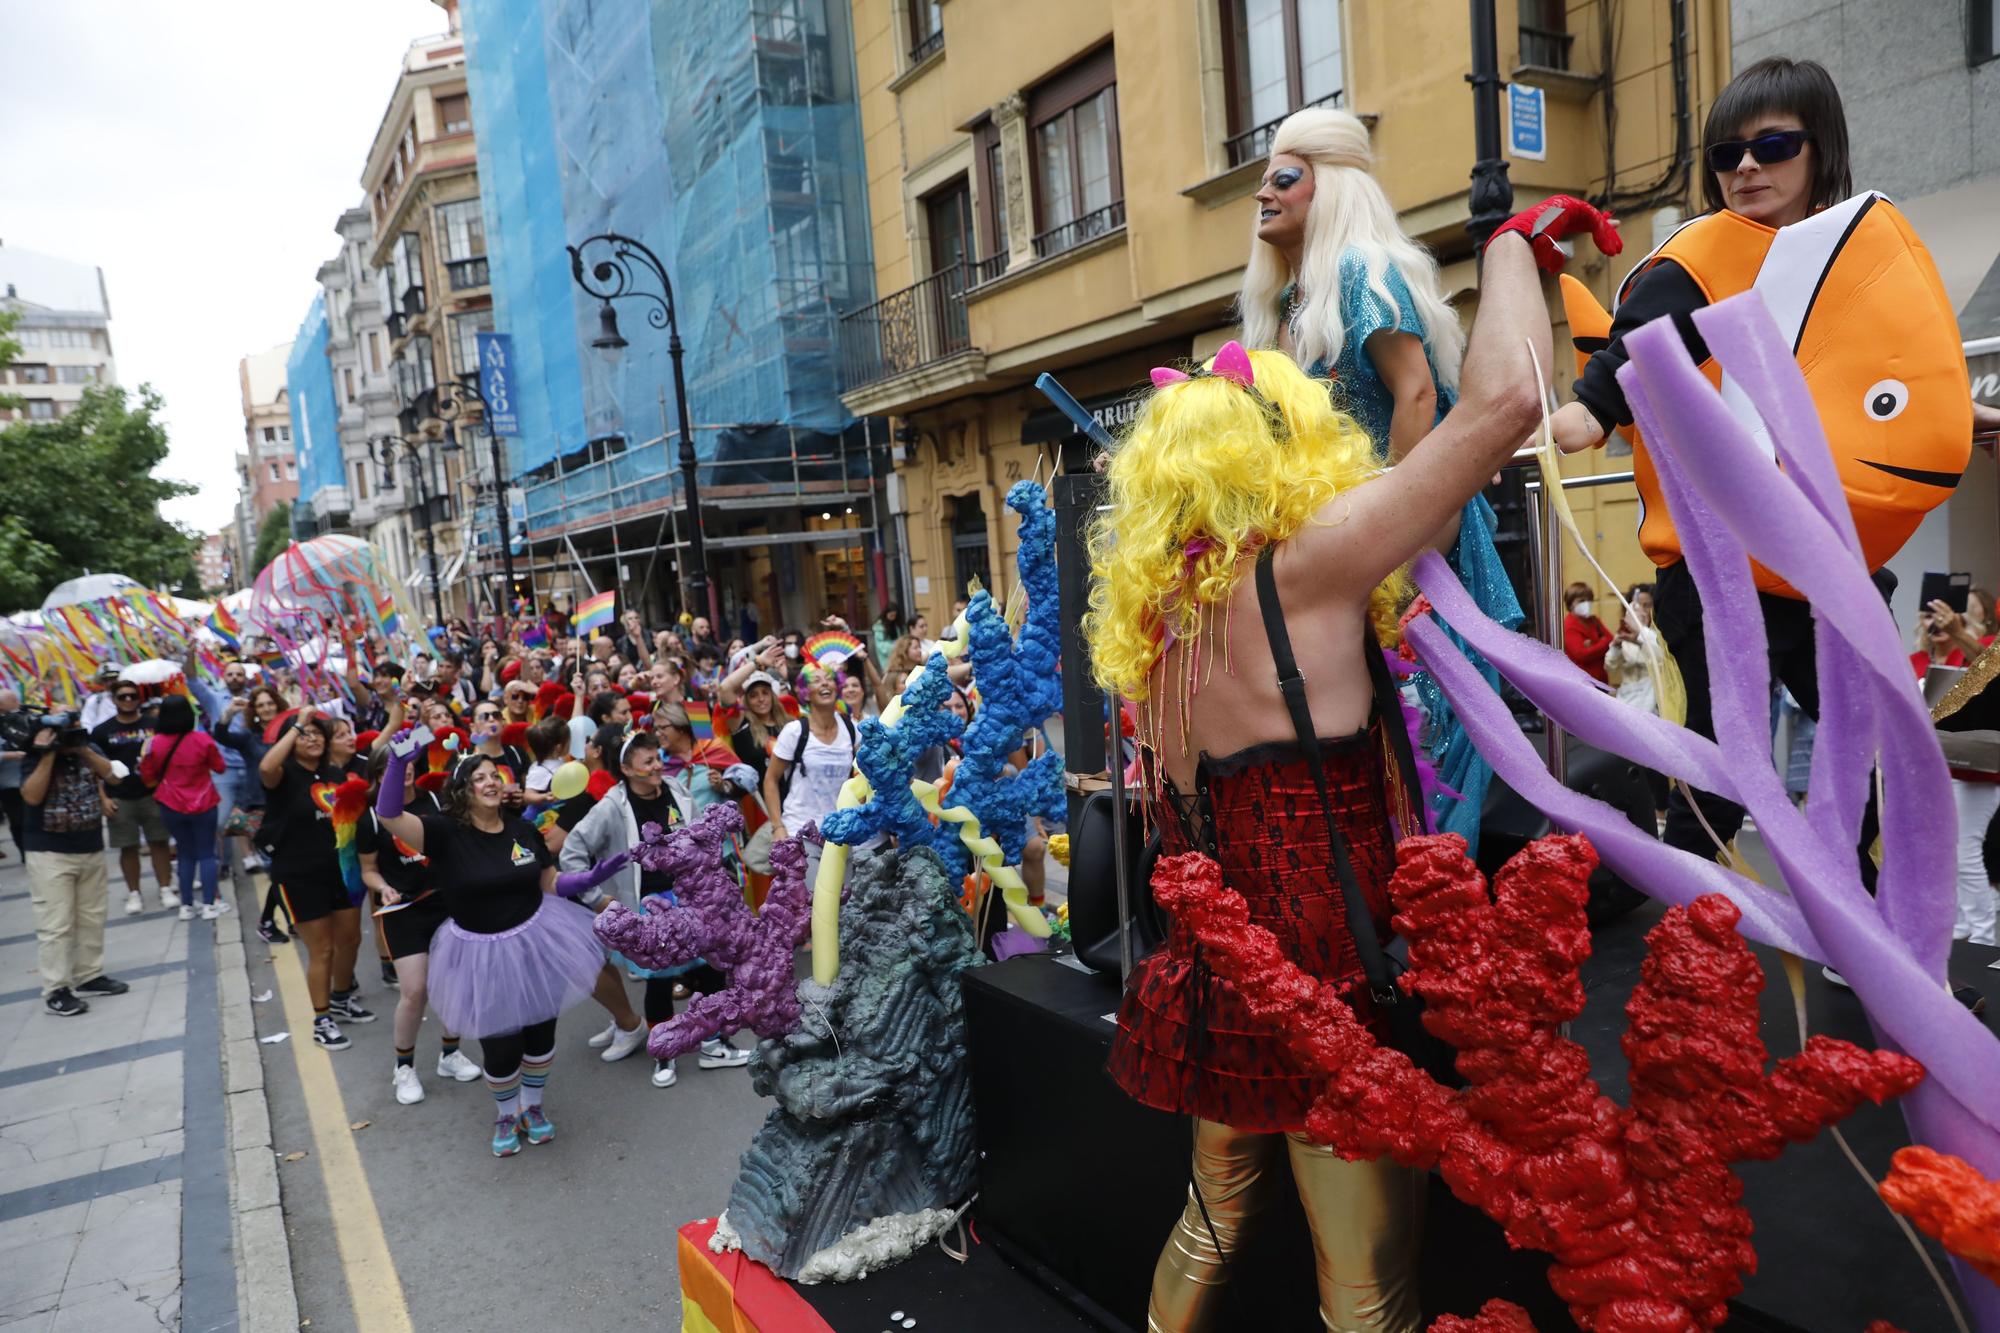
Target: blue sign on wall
<point>1527,125</point>
<point>496,381</point>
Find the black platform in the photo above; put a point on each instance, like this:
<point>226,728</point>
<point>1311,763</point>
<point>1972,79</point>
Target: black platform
<point>1078,1185</point>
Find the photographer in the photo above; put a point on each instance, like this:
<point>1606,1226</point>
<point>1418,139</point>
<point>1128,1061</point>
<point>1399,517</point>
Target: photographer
<point>17,728</point>
<point>65,853</point>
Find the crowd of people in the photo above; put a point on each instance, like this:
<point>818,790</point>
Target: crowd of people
<point>478,865</point>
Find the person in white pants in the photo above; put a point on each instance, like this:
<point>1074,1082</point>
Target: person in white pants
<point>1976,799</point>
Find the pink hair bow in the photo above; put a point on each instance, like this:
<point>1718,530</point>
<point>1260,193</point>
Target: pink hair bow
<point>1231,362</point>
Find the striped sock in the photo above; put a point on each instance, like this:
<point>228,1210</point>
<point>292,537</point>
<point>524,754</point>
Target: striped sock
<point>406,1058</point>
<point>506,1093</point>
<point>534,1077</point>
<point>448,1047</point>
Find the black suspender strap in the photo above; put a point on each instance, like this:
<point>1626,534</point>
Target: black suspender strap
<point>1360,926</point>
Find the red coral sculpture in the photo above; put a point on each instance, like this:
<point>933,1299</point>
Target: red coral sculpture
<point>1496,1316</point>
<point>1947,1199</point>
<point>1637,1205</point>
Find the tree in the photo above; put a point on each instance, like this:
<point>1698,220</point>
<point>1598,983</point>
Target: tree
<point>9,349</point>
<point>274,534</point>
<point>82,494</point>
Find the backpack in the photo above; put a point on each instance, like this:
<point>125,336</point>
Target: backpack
<point>792,759</point>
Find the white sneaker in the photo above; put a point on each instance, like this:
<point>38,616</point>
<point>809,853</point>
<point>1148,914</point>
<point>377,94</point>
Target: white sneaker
<point>624,1043</point>
<point>456,1066</point>
<point>221,905</point>
<point>187,911</point>
<point>169,900</point>
<point>408,1090</point>
<point>210,911</point>
<point>664,1075</point>
<point>599,1040</point>
<point>135,903</point>
<point>719,1054</point>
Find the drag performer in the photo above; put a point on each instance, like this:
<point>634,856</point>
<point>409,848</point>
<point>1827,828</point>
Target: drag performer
<point>1333,281</point>
<point>1243,476</point>
<point>509,959</point>
<point>1856,292</point>
<point>411,914</point>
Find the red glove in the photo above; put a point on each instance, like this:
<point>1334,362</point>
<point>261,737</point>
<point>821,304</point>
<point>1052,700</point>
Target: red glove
<point>1553,219</point>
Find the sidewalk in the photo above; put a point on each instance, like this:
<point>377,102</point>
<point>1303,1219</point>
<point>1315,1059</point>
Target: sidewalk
<point>119,1209</point>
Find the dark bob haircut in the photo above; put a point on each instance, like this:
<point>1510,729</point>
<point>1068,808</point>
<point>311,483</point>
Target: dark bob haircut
<point>1781,86</point>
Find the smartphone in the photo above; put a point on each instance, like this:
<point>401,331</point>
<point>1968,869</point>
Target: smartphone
<point>1951,589</point>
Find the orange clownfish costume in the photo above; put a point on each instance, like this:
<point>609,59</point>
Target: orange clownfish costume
<point>1872,329</point>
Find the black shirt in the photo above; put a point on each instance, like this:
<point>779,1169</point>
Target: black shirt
<point>1664,289</point>
<point>512,761</point>
<point>302,847</point>
<point>490,882</point>
<point>124,742</point>
<point>405,871</point>
<point>659,810</point>
<point>574,809</point>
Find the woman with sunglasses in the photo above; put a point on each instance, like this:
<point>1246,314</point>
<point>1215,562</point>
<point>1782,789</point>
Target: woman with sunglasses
<point>301,772</point>
<point>509,959</point>
<point>1334,281</point>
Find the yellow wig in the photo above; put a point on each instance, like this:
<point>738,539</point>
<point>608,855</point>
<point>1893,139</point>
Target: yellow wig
<point>1211,470</point>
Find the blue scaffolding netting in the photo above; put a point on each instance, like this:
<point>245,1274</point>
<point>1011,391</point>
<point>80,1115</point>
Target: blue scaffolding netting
<point>315,418</point>
<point>724,136</point>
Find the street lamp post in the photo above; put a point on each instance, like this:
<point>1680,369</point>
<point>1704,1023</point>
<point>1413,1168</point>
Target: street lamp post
<point>448,402</point>
<point>386,450</point>
<point>1491,198</point>
<point>616,274</point>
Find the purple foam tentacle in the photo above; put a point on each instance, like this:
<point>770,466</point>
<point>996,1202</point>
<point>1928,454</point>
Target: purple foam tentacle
<point>1672,876</point>
<point>1562,690</point>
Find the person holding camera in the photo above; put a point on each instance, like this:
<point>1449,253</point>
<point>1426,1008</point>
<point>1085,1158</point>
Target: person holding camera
<point>17,729</point>
<point>64,847</point>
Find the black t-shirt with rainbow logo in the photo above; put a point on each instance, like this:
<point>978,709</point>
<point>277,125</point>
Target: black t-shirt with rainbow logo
<point>490,882</point>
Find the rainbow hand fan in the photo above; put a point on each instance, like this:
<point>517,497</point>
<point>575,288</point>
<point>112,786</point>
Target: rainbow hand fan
<point>830,648</point>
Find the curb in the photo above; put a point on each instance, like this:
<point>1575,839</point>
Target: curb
<point>265,1296</point>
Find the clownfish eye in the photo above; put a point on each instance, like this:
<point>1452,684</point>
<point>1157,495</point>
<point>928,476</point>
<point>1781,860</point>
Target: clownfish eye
<point>1885,400</point>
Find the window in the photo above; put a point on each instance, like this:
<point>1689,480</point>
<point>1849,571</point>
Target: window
<point>73,338</point>
<point>285,434</point>
<point>1982,32</point>
<point>454,114</point>
<point>1544,34</point>
<point>347,381</point>
<point>1280,55</point>
<point>948,215</point>
<point>76,374</point>
<point>991,164</point>
<point>996,182</point>
<point>270,434</point>
<point>361,481</point>
<point>926,30</point>
<point>1079,181</point>
<point>27,373</point>
<point>465,342</point>
<point>374,351</point>
<point>970,556</point>
<point>28,337</point>
<point>407,259</point>
<point>291,470</point>
<point>276,474</point>
<point>461,231</point>
<point>41,409</point>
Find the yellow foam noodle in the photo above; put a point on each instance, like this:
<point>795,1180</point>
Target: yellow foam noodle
<point>987,855</point>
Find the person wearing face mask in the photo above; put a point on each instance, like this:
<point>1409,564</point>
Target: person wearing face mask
<point>510,958</point>
<point>1334,281</point>
<point>1585,640</point>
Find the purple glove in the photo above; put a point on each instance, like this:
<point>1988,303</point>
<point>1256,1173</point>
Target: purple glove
<point>575,882</point>
<point>389,799</point>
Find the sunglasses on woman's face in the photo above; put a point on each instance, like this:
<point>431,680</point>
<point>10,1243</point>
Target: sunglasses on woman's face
<point>1778,146</point>
<point>125,698</point>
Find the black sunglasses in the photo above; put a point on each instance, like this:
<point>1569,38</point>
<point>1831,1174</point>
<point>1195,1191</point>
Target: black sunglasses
<point>1777,146</point>
<point>125,698</point>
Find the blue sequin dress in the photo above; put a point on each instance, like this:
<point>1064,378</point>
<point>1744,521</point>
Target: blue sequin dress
<point>1359,391</point>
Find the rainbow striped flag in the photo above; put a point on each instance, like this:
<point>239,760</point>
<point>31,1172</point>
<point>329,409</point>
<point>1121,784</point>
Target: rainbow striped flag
<point>594,613</point>
<point>699,719</point>
<point>536,635</point>
<point>385,615</point>
<point>223,624</point>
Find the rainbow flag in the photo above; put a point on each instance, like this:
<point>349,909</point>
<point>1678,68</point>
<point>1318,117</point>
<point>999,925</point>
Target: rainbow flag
<point>536,635</point>
<point>594,613</point>
<point>223,624</point>
<point>385,615</point>
<point>699,718</point>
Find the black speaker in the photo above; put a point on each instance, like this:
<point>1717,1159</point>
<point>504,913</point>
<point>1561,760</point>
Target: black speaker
<point>1093,885</point>
<point>1508,822</point>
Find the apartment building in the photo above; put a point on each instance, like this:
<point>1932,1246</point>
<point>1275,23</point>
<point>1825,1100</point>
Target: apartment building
<point>64,332</point>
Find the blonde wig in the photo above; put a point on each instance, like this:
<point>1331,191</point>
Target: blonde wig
<point>1208,472</point>
<point>1348,210</point>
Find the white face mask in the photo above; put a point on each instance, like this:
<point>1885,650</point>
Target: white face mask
<point>792,651</point>
<point>1584,608</point>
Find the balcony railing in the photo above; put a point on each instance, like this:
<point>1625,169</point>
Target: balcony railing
<point>466,273</point>
<point>927,46</point>
<point>905,330</point>
<point>1544,48</point>
<point>413,300</point>
<point>989,268</point>
<point>1089,227</point>
<point>1255,142</point>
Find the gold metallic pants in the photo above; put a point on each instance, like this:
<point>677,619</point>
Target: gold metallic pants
<point>1366,1220</point>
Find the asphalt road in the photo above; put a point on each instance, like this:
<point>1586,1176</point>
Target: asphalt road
<point>578,1234</point>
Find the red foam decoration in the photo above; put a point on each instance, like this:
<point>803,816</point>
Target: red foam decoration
<point>1947,1199</point>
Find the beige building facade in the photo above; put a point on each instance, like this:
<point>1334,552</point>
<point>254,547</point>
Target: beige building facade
<point>64,333</point>
<point>267,471</point>
<point>1066,186</point>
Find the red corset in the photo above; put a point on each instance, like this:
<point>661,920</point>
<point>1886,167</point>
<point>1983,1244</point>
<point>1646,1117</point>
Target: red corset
<point>1186,1043</point>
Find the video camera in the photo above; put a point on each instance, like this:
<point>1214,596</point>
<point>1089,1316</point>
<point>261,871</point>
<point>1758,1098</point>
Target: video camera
<point>70,734</point>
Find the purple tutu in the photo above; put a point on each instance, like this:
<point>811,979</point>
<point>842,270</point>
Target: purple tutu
<point>484,985</point>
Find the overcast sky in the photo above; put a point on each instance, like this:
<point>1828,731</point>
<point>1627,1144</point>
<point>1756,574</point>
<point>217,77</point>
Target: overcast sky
<point>200,154</point>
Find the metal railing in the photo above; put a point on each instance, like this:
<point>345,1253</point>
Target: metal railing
<point>465,273</point>
<point>989,268</point>
<point>1255,142</point>
<point>1100,222</point>
<point>1544,48</point>
<point>929,45</point>
<point>905,330</point>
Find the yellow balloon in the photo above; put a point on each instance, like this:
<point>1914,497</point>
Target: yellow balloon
<point>570,779</point>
